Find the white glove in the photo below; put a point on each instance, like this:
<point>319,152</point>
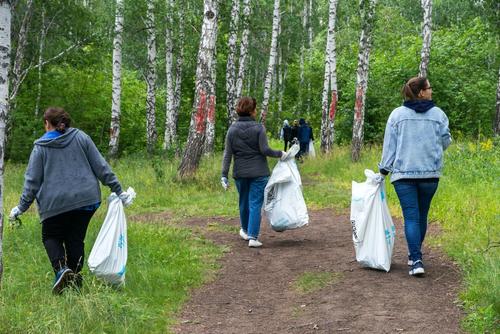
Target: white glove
<point>285,156</point>
<point>126,198</point>
<point>224,182</point>
<point>14,213</point>
<point>379,178</point>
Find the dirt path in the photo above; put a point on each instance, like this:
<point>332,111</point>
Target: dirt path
<point>254,292</point>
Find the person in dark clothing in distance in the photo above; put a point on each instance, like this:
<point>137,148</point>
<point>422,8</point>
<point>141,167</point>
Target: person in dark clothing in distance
<point>304,136</point>
<point>286,134</point>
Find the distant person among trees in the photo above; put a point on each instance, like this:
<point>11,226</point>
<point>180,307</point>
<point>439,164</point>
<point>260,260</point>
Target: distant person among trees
<point>416,136</point>
<point>286,134</point>
<point>63,176</point>
<point>295,129</point>
<point>305,135</point>
<point>246,142</point>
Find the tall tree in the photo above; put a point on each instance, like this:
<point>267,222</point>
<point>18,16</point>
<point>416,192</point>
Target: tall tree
<point>272,61</point>
<point>151,133</point>
<point>208,145</point>
<point>231,63</point>
<point>367,9</point>
<point>114,135</point>
<point>170,126</point>
<point>305,19</point>
<point>204,100</point>
<point>243,48</point>
<point>330,82</point>
<point>178,80</point>
<point>496,127</point>
<point>426,35</point>
<point>5,22</point>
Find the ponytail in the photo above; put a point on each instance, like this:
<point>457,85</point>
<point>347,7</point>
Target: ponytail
<point>58,118</point>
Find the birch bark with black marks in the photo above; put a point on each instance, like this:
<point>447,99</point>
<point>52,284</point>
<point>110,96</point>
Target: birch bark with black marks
<point>272,61</point>
<point>367,8</point>
<point>243,49</point>
<point>329,83</point>
<point>309,44</point>
<point>204,100</point>
<point>304,39</point>
<point>151,134</point>
<point>426,36</point>
<point>208,146</point>
<point>231,63</point>
<point>170,126</point>
<point>5,27</point>
<point>178,82</point>
<point>114,131</point>
<point>496,127</point>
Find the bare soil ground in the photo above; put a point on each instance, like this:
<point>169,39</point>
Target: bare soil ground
<point>255,290</point>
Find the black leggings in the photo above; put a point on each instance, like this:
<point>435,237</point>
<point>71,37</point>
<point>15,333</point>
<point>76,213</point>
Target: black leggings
<point>63,237</point>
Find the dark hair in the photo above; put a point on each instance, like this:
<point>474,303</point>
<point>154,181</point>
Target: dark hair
<point>246,105</point>
<point>58,118</point>
<point>413,87</point>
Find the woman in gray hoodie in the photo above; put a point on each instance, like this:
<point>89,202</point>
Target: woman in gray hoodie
<point>63,177</point>
<point>416,136</point>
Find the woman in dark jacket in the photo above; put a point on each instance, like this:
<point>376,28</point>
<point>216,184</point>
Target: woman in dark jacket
<point>246,141</point>
<point>63,177</point>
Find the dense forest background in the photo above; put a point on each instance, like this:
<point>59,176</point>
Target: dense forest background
<point>77,45</point>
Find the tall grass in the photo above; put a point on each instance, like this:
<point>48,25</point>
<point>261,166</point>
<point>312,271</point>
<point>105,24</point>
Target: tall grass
<point>167,260</point>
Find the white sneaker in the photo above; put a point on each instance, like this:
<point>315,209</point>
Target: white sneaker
<point>254,243</point>
<point>243,235</point>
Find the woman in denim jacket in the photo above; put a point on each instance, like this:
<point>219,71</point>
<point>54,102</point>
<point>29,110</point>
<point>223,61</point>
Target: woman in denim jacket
<point>416,136</point>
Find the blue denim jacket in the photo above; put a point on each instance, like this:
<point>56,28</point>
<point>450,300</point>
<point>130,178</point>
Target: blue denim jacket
<point>414,143</point>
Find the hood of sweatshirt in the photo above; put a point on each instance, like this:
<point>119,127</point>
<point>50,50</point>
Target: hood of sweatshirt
<point>419,105</point>
<point>60,142</point>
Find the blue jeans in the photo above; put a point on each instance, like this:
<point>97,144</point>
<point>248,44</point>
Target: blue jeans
<point>251,192</point>
<point>415,198</point>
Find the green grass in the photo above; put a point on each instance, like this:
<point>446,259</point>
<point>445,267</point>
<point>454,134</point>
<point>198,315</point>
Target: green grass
<point>167,260</point>
<point>310,282</point>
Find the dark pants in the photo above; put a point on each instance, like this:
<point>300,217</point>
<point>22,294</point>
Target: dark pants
<point>304,149</point>
<point>287,142</point>
<point>415,198</point>
<point>63,237</point>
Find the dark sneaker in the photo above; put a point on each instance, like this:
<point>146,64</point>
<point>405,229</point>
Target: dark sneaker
<point>63,277</point>
<point>417,268</point>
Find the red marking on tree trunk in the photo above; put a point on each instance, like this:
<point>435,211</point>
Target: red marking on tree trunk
<point>333,105</point>
<point>199,117</point>
<point>211,109</point>
<point>358,106</point>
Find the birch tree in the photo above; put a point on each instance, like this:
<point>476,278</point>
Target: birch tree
<point>426,35</point>
<point>170,125</point>
<point>330,82</point>
<point>305,19</point>
<point>151,134</point>
<point>204,100</point>
<point>178,80</point>
<point>496,128</point>
<point>367,9</point>
<point>5,23</point>
<point>208,145</point>
<point>272,61</point>
<point>231,63</point>
<point>114,135</point>
<point>243,48</point>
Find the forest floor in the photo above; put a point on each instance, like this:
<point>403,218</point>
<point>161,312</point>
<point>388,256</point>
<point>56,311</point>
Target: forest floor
<point>256,290</point>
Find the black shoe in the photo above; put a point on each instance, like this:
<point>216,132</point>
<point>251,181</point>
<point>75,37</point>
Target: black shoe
<point>63,277</point>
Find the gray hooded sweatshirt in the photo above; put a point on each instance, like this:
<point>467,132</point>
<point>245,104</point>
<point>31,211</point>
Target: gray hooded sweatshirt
<point>63,174</point>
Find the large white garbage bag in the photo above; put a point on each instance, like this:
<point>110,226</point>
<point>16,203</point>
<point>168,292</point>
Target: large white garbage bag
<point>373,231</point>
<point>108,258</point>
<point>283,201</point>
<point>312,152</point>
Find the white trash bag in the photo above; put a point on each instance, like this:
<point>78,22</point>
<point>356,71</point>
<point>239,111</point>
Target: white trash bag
<point>283,201</point>
<point>108,258</point>
<point>312,152</point>
<point>373,231</point>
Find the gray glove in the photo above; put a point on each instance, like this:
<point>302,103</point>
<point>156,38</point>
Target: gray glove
<point>224,182</point>
<point>14,213</point>
<point>126,198</point>
<point>379,178</point>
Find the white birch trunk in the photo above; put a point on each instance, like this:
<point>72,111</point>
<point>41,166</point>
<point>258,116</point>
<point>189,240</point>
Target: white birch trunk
<point>204,101</point>
<point>5,22</point>
<point>114,133</point>
<point>329,83</point>
<point>151,80</point>
<point>309,45</point>
<point>303,46</point>
<point>426,35</point>
<point>231,63</point>
<point>41,46</point>
<point>170,125</point>
<point>243,49</point>
<point>365,41</point>
<point>208,146</point>
<point>496,128</point>
<point>178,81</point>
<point>272,61</point>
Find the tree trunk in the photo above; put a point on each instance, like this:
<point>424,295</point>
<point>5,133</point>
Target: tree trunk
<point>309,45</point>
<point>204,100</point>
<point>170,125</point>
<point>231,64</point>
<point>303,46</point>
<point>368,17</point>
<point>496,128</point>
<point>114,133</point>
<point>243,49</point>
<point>178,81</point>
<point>330,82</point>
<point>151,80</point>
<point>5,22</point>
<point>426,34</point>
<point>272,61</point>
<point>208,146</point>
